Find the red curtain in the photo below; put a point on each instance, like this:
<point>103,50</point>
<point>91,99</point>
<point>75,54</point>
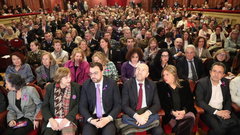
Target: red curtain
<point>119,2</point>
<point>34,5</point>
<point>13,3</point>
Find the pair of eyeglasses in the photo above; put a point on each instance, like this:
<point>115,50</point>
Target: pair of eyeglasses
<point>91,74</point>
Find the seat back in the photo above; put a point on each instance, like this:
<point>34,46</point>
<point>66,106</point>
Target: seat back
<point>2,42</point>
<point>3,50</point>
<point>17,43</point>
<point>39,90</point>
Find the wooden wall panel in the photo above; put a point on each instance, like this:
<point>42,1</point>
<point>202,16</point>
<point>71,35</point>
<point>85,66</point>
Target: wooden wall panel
<point>199,2</point>
<point>235,2</point>
<point>46,5</point>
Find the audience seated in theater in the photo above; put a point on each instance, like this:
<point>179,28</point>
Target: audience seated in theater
<point>107,49</point>
<point>189,25</point>
<point>96,34</point>
<point>150,51</point>
<point>69,45</point>
<point>78,66</point>
<point>177,51</point>
<point>123,40</point>
<point>109,68</point>
<point>187,39</point>
<point>137,30</point>
<point>100,102</point>
<point>3,29</point>
<point>182,23</point>
<point>47,44</point>
<point>179,109</point>
<point>9,35</point>
<point>190,67</point>
<point>61,101</point>
<point>195,29</point>
<point>24,105</point>
<point>27,36</point>
<point>92,43</point>
<point>141,35</point>
<point>60,36</point>
<point>225,24</point>
<point>38,32</point>
<point>167,42</point>
<point>134,57</point>
<point>60,56</point>
<point>222,55</point>
<point>64,30</point>
<point>162,59</point>
<point>201,51</point>
<point>45,72</point>
<point>74,34</point>
<point>84,47</point>
<point>113,34</point>
<point>140,102</point>
<point>19,66</point>
<point>34,56</point>
<point>216,39</point>
<point>44,26</point>
<point>213,95</point>
<point>160,34</point>
<point>176,33</point>
<point>129,45</point>
<point>205,32</point>
<point>232,43</point>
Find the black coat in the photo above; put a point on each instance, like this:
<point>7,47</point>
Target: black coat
<point>165,95</point>
<point>30,37</point>
<point>69,48</point>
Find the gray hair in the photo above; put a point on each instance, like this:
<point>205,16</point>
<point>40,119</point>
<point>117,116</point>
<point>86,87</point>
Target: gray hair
<point>190,46</point>
<point>88,32</point>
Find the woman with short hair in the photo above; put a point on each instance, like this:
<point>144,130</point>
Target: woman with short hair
<point>60,55</point>
<point>24,105</point>
<point>34,56</point>
<point>61,102</point>
<point>45,73</point>
<point>78,66</point>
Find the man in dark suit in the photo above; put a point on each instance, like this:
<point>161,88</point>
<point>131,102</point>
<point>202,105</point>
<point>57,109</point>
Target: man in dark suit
<point>177,50</point>
<point>97,35</point>
<point>139,93</point>
<point>38,32</point>
<point>45,27</point>
<point>129,45</point>
<point>47,44</point>
<point>100,102</point>
<point>113,35</point>
<point>213,95</point>
<point>167,43</point>
<point>69,45</point>
<point>26,36</point>
<point>190,67</point>
<point>92,43</point>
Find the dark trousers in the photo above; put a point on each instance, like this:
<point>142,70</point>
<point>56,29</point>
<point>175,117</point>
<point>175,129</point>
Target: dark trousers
<point>212,122</point>
<point>154,131</point>
<point>22,130</point>
<point>89,129</point>
<point>183,126</point>
<point>49,131</point>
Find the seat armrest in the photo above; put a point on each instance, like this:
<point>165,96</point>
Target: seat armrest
<point>120,114</point>
<point>236,108</point>
<point>3,115</point>
<point>161,112</point>
<point>79,117</point>
<point>199,109</point>
<point>39,116</point>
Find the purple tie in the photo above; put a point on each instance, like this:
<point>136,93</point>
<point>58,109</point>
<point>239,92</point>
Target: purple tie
<point>98,106</point>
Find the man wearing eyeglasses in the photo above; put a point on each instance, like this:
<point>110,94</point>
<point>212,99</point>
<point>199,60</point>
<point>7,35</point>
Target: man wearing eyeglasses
<point>100,102</point>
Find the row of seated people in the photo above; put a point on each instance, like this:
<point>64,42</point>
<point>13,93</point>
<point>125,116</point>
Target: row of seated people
<point>99,101</point>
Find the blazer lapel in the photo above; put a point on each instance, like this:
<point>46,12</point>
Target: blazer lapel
<point>104,91</point>
<point>93,94</point>
<point>186,63</point>
<point>134,90</point>
<point>147,90</point>
<point>52,72</point>
<point>209,89</point>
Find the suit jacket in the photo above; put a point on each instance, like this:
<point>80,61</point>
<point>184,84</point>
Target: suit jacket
<point>38,32</point>
<point>48,108</point>
<point>42,77</point>
<point>130,97</point>
<point>69,48</point>
<point>110,97</point>
<point>114,36</point>
<point>163,44</point>
<point>182,66</point>
<point>30,104</point>
<point>47,46</point>
<point>173,51</point>
<point>33,58</point>
<point>165,95</point>
<point>204,93</point>
<point>94,45</point>
<point>112,54</point>
<point>205,53</point>
<point>123,53</point>
<point>47,28</point>
<point>30,37</point>
<point>81,74</point>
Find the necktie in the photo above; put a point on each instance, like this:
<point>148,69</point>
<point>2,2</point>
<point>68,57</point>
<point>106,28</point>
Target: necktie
<point>88,42</point>
<point>194,74</point>
<point>178,50</point>
<point>98,104</point>
<point>140,95</point>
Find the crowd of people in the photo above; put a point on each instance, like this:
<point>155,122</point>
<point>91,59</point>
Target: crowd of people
<point>79,57</point>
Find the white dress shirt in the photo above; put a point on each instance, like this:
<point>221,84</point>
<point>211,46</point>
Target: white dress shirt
<point>217,97</point>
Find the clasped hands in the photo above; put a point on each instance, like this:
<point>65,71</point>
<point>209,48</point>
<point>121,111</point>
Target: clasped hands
<point>178,114</point>
<point>13,123</point>
<point>100,123</point>
<point>55,126</point>
<point>142,118</point>
<point>225,114</point>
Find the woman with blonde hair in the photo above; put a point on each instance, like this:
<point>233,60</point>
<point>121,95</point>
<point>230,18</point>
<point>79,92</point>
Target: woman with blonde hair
<point>61,102</point>
<point>177,101</point>
<point>78,66</point>
<point>222,55</point>
<point>86,50</point>
<point>45,73</point>
<point>151,51</point>
<point>108,66</point>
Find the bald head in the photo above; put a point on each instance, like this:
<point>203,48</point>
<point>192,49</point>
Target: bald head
<point>142,72</point>
<point>178,43</point>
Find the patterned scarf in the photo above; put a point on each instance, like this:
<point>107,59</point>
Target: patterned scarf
<point>58,54</point>
<point>61,101</point>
